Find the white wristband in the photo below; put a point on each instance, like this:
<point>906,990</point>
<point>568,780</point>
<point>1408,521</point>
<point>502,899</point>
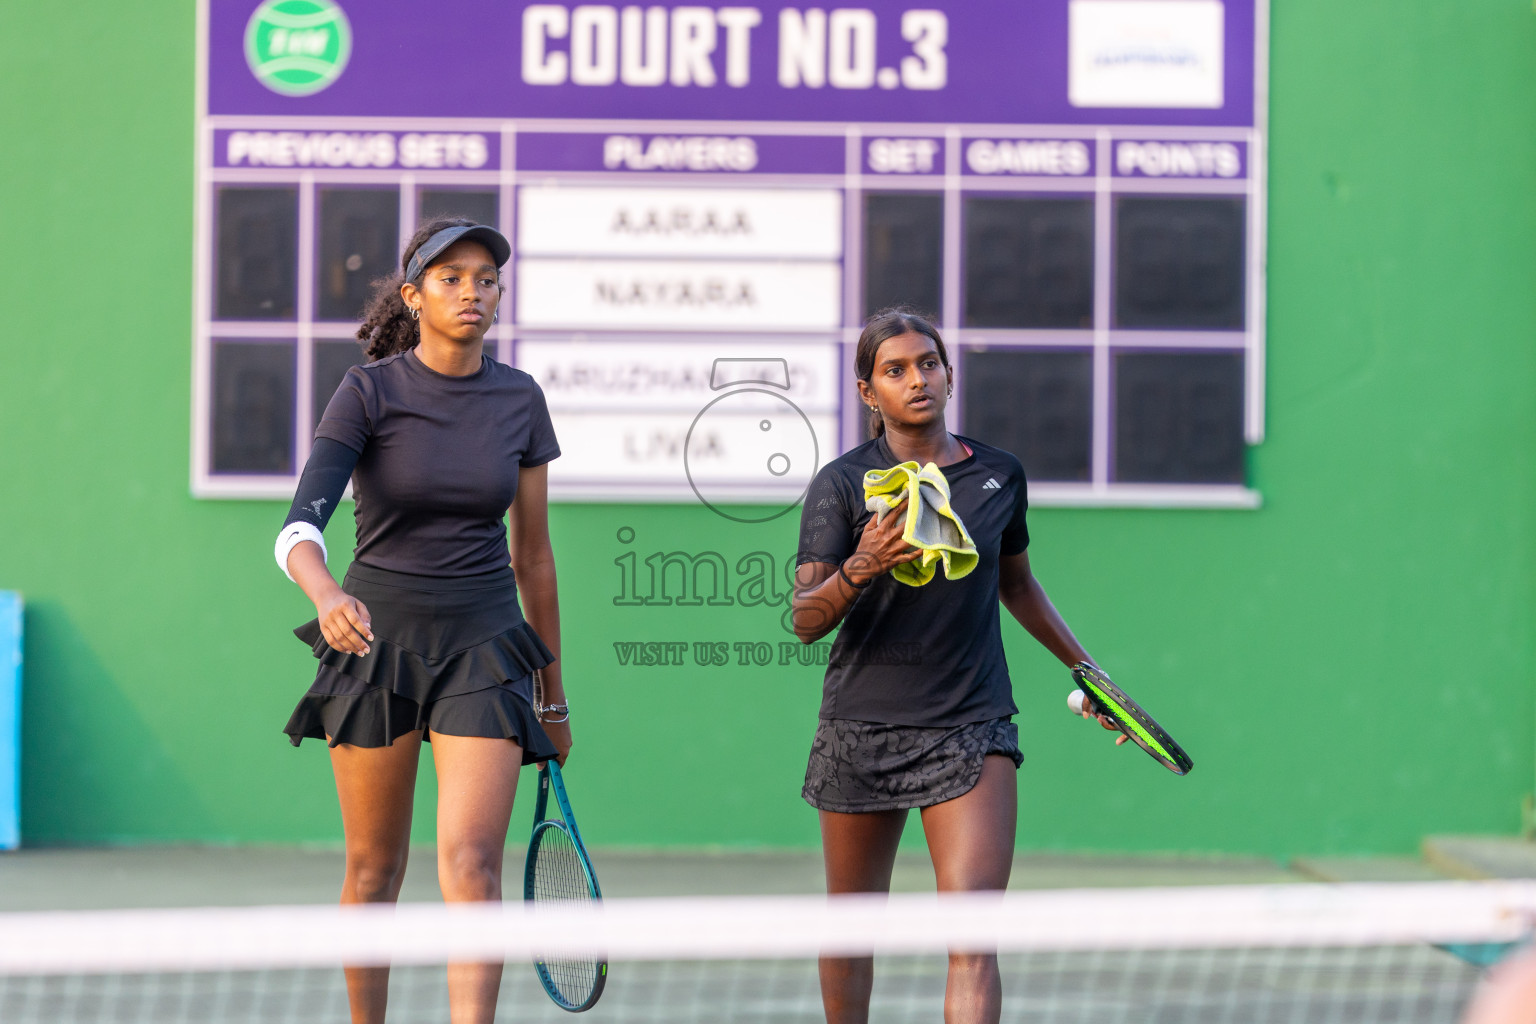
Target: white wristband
<point>290,537</point>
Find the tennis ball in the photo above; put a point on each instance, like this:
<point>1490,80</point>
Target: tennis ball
<point>1076,700</point>
<point>297,47</point>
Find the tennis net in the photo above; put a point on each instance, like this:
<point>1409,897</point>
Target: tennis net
<point>1287,953</point>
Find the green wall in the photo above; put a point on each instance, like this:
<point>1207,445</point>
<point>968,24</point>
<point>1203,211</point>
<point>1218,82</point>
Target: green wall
<point>1351,666</point>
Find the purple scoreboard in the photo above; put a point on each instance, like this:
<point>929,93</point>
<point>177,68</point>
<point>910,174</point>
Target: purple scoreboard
<point>705,203</point>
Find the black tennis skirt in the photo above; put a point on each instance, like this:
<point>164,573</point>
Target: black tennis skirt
<point>857,767</point>
<point>452,655</point>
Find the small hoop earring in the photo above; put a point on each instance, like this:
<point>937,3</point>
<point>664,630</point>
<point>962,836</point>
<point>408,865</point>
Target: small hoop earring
<point>415,313</point>
<point>496,316</point>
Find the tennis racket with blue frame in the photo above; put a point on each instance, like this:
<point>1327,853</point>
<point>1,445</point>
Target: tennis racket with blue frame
<point>559,870</point>
<point>1128,716</point>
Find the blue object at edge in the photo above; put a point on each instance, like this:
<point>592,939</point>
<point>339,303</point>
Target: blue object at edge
<point>10,720</point>
<point>1480,954</point>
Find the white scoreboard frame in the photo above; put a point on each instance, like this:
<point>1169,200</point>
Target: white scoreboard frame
<point>854,183</point>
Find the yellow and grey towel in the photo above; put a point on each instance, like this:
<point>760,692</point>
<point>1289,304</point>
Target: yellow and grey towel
<point>932,525</point>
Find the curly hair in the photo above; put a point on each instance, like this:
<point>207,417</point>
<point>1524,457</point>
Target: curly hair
<point>388,326</point>
<point>881,327</point>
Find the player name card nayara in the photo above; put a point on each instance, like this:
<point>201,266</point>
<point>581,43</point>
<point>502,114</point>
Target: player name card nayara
<point>682,294</point>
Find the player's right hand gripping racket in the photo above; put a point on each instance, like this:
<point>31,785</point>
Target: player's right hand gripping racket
<point>559,869</point>
<point>1109,699</point>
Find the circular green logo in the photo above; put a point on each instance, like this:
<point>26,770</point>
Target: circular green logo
<point>297,47</point>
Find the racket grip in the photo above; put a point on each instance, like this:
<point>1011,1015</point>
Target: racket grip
<point>1077,700</point>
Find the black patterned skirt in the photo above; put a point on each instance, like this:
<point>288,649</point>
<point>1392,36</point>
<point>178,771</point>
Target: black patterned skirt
<point>857,767</point>
<point>451,655</point>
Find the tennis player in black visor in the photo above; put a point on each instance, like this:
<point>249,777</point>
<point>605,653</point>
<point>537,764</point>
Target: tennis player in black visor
<point>425,638</point>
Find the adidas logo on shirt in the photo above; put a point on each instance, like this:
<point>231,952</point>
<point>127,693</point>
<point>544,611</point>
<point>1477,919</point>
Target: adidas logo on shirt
<point>991,484</point>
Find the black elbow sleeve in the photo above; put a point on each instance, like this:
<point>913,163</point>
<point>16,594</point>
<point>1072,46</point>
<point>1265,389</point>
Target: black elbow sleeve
<point>322,483</point>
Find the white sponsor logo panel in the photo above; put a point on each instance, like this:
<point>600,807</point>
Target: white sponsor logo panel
<point>1145,53</point>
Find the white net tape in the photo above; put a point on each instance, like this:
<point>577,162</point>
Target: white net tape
<point>1293,953</point>
<point>776,927</point>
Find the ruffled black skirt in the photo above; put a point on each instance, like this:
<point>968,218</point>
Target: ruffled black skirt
<point>857,767</point>
<point>449,655</point>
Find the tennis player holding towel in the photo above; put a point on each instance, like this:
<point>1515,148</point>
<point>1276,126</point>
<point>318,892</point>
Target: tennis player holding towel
<point>917,702</point>
<point>425,638</point>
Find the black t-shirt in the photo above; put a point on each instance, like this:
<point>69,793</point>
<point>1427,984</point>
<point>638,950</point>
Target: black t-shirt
<point>438,460</point>
<point>929,655</point>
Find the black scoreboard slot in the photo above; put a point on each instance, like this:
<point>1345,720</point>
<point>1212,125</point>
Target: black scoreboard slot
<point>257,253</point>
<point>1028,262</point>
<point>1038,405</point>
<point>1179,417</point>
<point>359,243</point>
<point>253,399</point>
<point>330,363</point>
<point>478,206</point>
<point>903,251</point>
<point>1180,262</point>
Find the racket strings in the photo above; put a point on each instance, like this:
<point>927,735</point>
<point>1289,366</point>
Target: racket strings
<point>558,877</point>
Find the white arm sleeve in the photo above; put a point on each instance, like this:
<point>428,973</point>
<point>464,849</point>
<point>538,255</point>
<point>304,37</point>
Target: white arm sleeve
<point>290,537</point>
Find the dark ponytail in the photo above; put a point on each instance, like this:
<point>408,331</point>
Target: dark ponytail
<point>882,326</point>
<point>388,326</point>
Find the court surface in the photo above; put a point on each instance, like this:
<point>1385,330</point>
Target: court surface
<point>175,876</point>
